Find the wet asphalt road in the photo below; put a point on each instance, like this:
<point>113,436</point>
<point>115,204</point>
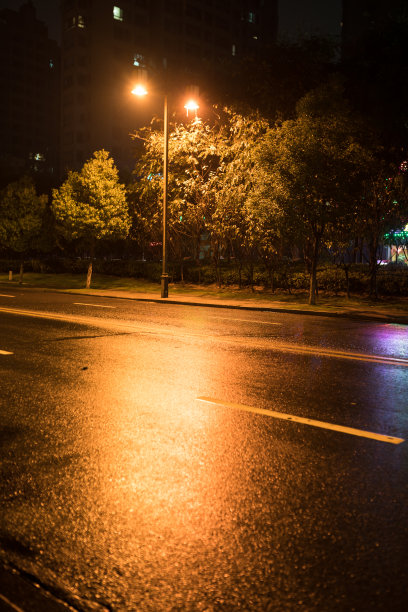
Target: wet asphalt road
<point>120,490</point>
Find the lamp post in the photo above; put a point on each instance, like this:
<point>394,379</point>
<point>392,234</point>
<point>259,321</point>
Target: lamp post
<point>165,276</point>
<point>140,90</point>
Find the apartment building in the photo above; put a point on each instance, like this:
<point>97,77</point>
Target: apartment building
<point>106,45</point>
<point>29,101</point>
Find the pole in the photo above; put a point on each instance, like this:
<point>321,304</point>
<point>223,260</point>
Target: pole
<point>165,276</point>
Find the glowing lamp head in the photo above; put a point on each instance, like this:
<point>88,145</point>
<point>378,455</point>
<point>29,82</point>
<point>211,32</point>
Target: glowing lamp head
<point>191,105</point>
<point>139,90</point>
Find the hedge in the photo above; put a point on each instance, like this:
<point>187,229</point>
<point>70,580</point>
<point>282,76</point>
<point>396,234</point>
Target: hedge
<point>291,276</point>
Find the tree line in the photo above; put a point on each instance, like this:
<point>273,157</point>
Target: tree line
<point>320,181</point>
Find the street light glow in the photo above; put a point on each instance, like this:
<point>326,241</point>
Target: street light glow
<point>191,105</point>
<point>139,90</point>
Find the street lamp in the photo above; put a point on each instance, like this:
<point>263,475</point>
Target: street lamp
<point>140,90</point>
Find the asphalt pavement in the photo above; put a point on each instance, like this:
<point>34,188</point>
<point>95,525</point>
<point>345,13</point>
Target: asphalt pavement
<point>22,592</point>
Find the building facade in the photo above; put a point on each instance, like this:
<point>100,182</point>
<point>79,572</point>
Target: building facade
<point>29,101</point>
<point>106,45</point>
<point>363,18</point>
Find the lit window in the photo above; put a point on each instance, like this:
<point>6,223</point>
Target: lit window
<point>251,17</point>
<point>51,63</point>
<point>80,21</point>
<point>138,59</point>
<point>118,13</point>
<point>234,50</point>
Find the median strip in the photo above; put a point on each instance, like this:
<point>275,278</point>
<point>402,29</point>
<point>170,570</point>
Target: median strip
<point>289,417</point>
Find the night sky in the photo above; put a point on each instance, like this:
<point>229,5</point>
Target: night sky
<point>297,17</point>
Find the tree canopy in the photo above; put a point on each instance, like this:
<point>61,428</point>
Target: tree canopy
<point>313,164</point>
<point>91,204</point>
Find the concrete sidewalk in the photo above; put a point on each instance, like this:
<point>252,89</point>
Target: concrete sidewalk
<point>369,312</point>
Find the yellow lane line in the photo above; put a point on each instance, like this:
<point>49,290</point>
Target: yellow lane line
<point>10,604</point>
<point>5,352</point>
<point>6,295</point>
<point>258,342</point>
<point>289,417</point>
<point>246,320</point>
<point>315,350</point>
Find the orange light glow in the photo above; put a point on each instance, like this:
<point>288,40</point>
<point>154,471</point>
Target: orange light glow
<point>139,90</point>
<point>191,105</point>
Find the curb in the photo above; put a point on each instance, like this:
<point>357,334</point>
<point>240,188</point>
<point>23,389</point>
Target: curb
<point>385,318</point>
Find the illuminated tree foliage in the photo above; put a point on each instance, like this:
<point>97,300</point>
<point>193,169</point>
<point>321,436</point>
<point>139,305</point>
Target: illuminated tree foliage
<point>21,217</point>
<point>314,164</point>
<point>193,163</point>
<point>214,176</point>
<point>91,205</point>
<point>243,221</point>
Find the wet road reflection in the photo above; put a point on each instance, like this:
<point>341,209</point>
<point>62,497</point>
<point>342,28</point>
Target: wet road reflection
<point>121,488</point>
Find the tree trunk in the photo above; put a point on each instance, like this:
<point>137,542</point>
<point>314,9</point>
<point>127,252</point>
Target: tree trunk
<point>373,269</point>
<point>346,272</point>
<point>216,259</point>
<point>271,280</point>
<point>21,271</point>
<point>313,271</point>
<point>89,275</point>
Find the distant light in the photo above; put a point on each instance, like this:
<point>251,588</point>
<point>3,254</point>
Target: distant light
<point>191,105</point>
<point>139,90</point>
<point>117,13</point>
<point>138,59</point>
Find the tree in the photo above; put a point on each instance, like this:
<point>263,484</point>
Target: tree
<point>193,162</point>
<point>21,217</point>
<point>91,205</point>
<point>243,220</point>
<point>313,164</point>
<point>384,192</point>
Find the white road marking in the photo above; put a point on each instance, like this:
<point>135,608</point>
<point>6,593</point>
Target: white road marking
<point>94,305</point>
<point>289,417</point>
<point>246,320</point>
<point>7,295</point>
<point>5,352</point>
